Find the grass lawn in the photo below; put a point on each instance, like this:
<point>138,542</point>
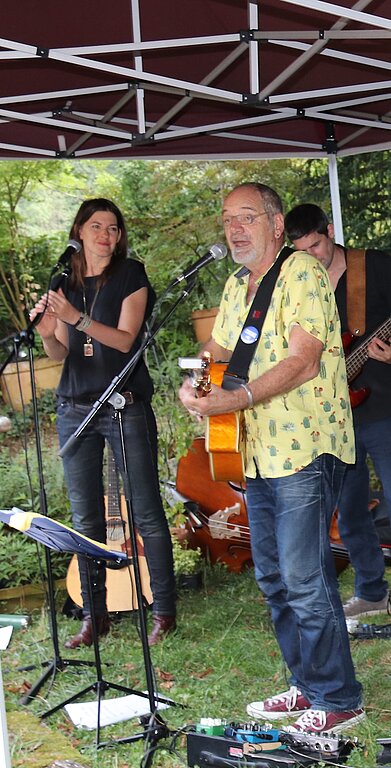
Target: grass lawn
<point>222,656</point>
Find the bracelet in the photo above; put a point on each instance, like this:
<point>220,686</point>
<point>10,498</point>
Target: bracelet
<point>250,398</point>
<point>84,322</point>
<point>77,322</point>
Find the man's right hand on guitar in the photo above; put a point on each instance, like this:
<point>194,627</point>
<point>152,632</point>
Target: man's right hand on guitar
<point>217,401</point>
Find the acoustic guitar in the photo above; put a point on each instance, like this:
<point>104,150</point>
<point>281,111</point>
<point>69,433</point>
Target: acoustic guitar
<point>120,583</point>
<point>225,433</point>
<point>356,359</point>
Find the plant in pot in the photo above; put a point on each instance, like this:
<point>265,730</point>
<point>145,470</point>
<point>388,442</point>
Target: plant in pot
<point>24,269</point>
<point>187,565</point>
<point>187,559</point>
<point>206,300</point>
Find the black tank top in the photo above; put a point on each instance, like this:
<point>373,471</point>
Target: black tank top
<point>85,376</point>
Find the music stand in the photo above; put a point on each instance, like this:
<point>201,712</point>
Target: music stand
<point>57,663</point>
<point>62,538</point>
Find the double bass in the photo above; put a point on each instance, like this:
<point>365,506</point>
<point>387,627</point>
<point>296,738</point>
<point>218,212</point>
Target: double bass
<point>217,519</point>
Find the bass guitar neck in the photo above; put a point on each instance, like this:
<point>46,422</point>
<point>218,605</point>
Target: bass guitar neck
<point>356,360</point>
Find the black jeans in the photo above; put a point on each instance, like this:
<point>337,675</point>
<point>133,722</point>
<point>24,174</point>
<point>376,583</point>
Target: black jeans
<point>83,466</point>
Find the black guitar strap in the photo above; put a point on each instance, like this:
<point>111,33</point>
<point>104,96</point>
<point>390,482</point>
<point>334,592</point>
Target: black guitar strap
<point>237,369</point>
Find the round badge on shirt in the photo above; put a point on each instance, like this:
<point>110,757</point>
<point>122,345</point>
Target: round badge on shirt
<point>249,335</point>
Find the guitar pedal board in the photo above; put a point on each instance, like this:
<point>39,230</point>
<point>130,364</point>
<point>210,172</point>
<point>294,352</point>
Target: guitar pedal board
<point>370,631</point>
<point>215,742</point>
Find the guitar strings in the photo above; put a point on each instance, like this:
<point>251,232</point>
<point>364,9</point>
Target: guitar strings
<point>242,530</point>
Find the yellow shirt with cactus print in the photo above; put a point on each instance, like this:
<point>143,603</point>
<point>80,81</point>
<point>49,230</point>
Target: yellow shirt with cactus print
<point>288,432</point>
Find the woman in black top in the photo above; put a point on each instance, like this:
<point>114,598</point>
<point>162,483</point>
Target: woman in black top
<point>94,325</point>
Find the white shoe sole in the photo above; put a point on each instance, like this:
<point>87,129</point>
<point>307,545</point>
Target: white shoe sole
<point>374,612</point>
<point>339,728</point>
<point>261,714</point>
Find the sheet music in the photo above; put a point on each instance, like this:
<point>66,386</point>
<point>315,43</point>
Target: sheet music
<point>85,714</point>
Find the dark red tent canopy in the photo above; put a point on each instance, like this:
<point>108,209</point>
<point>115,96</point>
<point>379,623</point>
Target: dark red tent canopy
<point>188,78</point>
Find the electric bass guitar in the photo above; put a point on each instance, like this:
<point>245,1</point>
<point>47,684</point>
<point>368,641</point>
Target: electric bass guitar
<point>120,583</point>
<point>225,433</point>
<point>356,359</point>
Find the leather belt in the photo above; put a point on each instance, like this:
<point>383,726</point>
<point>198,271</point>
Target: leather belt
<point>130,398</point>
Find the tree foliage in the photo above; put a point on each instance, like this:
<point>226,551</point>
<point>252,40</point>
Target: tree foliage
<point>17,262</point>
<point>365,191</point>
<point>171,208</point>
<point>38,200</point>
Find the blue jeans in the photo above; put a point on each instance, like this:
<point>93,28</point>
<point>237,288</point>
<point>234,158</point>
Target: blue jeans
<point>83,465</point>
<point>355,522</point>
<point>289,521</point>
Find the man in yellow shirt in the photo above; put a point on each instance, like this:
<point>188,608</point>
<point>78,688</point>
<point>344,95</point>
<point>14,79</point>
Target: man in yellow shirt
<point>299,441</point>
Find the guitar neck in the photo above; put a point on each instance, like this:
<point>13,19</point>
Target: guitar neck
<point>113,506</point>
<point>357,358</point>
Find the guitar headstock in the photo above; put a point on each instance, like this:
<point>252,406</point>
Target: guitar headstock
<point>199,368</point>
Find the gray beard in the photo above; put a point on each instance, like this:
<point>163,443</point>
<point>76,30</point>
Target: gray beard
<point>246,259</point>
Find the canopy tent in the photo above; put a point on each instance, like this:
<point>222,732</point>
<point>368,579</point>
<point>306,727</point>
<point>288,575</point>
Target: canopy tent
<point>184,79</point>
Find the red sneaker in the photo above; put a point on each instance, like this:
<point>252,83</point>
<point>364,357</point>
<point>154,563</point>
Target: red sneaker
<point>318,721</point>
<point>287,704</point>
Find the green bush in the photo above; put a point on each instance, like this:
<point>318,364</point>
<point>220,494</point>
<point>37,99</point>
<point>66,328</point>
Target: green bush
<point>20,487</point>
<point>22,422</point>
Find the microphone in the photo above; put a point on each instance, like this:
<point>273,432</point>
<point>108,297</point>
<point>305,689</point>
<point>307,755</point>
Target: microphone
<point>72,247</point>
<point>215,253</point>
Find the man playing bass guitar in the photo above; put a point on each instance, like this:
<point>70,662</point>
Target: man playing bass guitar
<point>308,228</point>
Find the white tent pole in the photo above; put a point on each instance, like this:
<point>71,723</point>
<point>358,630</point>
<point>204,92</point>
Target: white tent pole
<point>5,759</point>
<point>335,199</point>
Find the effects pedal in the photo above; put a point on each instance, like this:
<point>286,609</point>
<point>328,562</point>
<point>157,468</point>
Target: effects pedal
<point>247,732</point>
<point>324,746</point>
<point>253,733</point>
<point>384,757</point>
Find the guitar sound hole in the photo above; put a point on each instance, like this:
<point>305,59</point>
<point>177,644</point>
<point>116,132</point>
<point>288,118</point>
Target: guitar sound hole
<point>115,530</point>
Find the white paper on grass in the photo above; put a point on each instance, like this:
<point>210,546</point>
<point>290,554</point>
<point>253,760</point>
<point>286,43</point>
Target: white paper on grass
<point>5,636</point>
<point>85,714</point>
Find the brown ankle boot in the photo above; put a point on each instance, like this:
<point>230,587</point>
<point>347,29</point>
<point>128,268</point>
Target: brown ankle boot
<point>85,635</point>
<point>161,627</point>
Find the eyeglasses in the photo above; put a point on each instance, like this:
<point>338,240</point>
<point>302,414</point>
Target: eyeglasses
<point>241,218</point>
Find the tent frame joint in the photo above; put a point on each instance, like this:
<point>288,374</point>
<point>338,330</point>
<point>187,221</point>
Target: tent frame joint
<point>330,145</point>
<point>246,35</point>
<point>42,52</point>
<point>141,139</point>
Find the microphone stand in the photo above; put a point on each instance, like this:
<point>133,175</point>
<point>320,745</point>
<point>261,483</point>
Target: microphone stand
<point>57,663</point>
<point>154,725</point>
<point>129,367</point>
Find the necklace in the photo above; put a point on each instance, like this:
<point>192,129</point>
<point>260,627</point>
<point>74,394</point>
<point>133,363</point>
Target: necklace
<point>88,345</point>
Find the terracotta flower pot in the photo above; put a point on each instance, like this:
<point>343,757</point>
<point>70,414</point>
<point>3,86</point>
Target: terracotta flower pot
<point>46,373</point>
<point>203,322</point>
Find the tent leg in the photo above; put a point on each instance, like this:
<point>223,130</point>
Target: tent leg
<point>335,199</point>
<point>5,759</point>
